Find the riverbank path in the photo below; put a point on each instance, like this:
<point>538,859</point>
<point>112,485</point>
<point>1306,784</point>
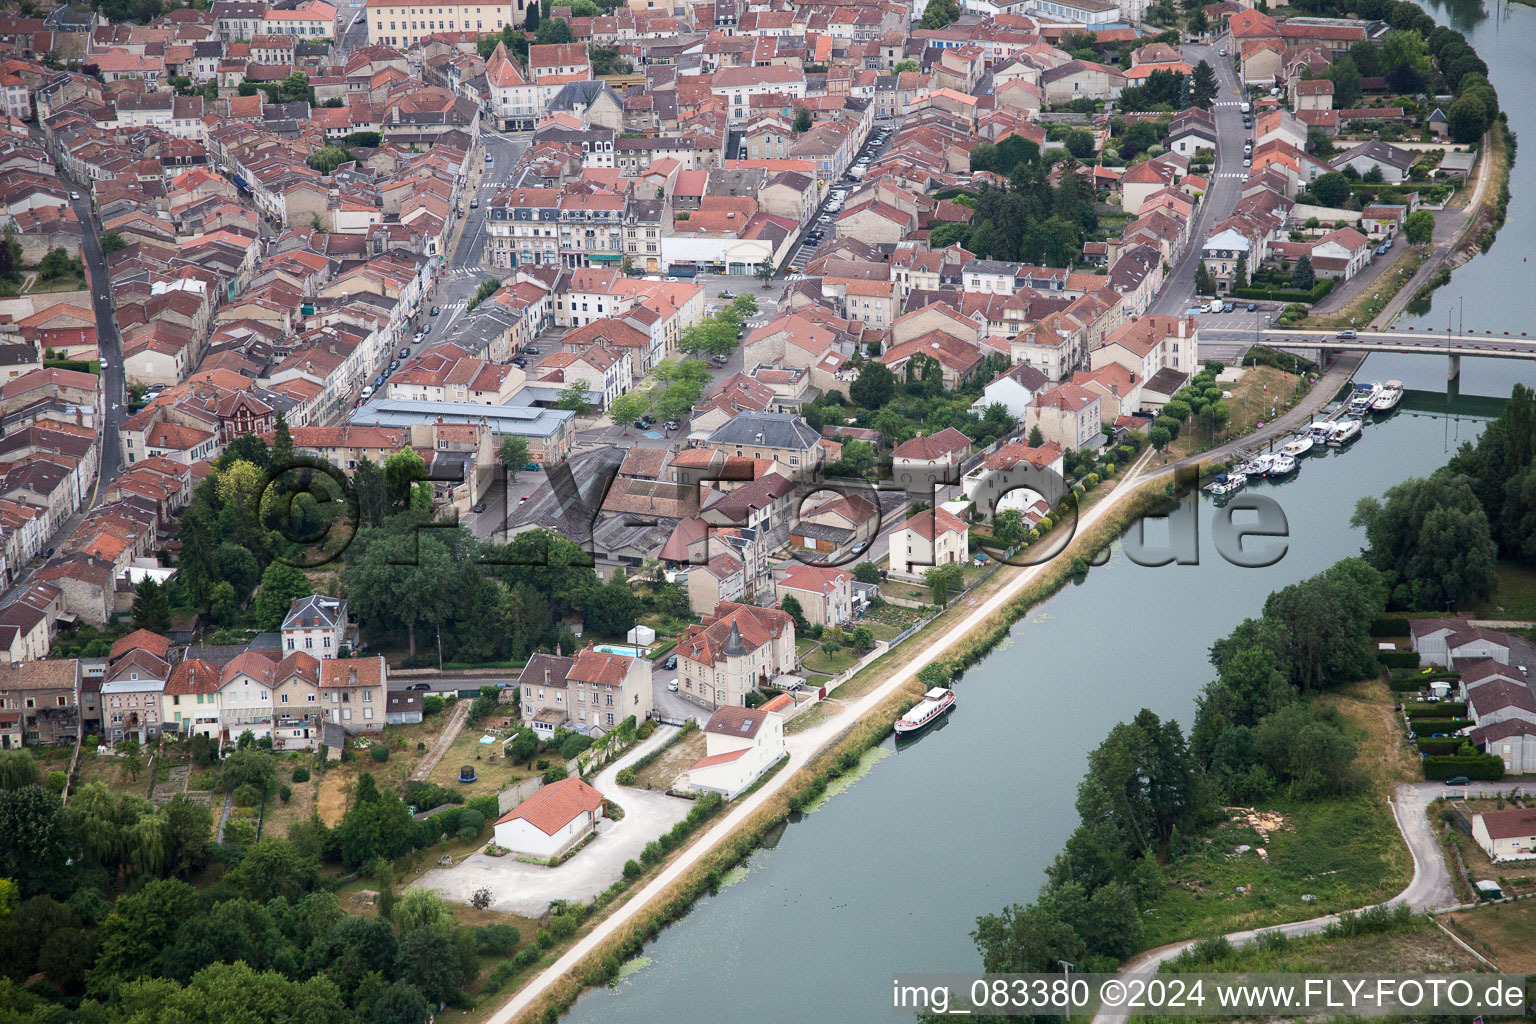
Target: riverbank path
<point>802,747</point>
<point>1430,888</point>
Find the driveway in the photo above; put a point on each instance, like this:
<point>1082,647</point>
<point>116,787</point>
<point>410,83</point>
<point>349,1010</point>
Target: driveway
<point>528,889</point>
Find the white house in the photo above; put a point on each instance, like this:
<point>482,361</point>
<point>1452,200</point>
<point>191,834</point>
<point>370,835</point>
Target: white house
<point>551,821</point>
<point>740,744</point>
<point>1506,835</point>
<point>1437,641</point>
<point>316,625</point>
<point>1014,389</point>
<point>933,537</point>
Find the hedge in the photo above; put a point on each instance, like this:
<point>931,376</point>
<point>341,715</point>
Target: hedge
<point>1430,726</point>
<point>1317,293</point>
<point>1391,627</point>
<point>1444,709</point>
<point>1445,748</point>
<point>1484,767</point>
<point>1408,683</point>
<point>1398,659</point>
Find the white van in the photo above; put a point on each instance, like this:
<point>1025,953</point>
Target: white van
<point>368,392</point>
<point>1246,107</point>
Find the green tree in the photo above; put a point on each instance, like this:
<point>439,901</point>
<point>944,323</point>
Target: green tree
<point>487,288</point>
<point>612,608</point>
<point>1203,87</point>
<point>328,157</point>
<point>57,263</point>
<point>1240,272</point>
<point>112,242</point>
<point>940,13</point>
<point>1419,228</point>
<point>34,839</point>
<point>1303,277</point>
<point>1331,189</point>
<point>531,19</point>
<point>1159,437</point>
<point>1036,437</point>
<point>574,398</point>
<point>906,65</point>
<point>1433,536</point>
<point>1346,83</point>
<point>281,585</point>
<point>555,30</point>
<point>803,121</point>
<point>874,386</point>
<point>945,581</point>
<point>18,769</point>
<point>513,453</point>
<point>1204,283</point>
<point>629,406</point>
<point>790,605</point>
<point>764,273</point>
<point>867,572</point>
<point>1197,22</point>
<point>151,606</point>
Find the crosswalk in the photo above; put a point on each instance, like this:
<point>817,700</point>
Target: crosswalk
<point>463,273</point>
<point>1231,174</point>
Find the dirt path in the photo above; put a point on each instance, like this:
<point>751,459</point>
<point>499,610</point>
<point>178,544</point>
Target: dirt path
<point>331,800</point>
<point>444,741</point>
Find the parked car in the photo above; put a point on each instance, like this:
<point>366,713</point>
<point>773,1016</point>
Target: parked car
<point>727,294</point>
<point>479,508</point>
<point>75,196</point>
<point>1253,307</point>
<point>1384,249</point>
<point>671,425</point>
<point>520,362</point>
<point>672,685</point>
<point>419,686</point>
<point>405,353</point>
<point>1222,52</point>
<point>532,350</point>
<point>532,467</point>
<point>642,425</point>
<point>435,311</point>
<point>1227,307</point>
<point>1457,780</point>
<point>670,663</point>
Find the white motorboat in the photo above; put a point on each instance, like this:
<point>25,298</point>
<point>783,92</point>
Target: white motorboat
<point>1387,398</point>
<point>1258,465</point>
<point>1225,484</point>
<point>1346,431</point>
<point>1297,446</point>
<point>934,704</point>
<point>1365,394</point>
<point>1281,465</point>
<point>1320,432</point>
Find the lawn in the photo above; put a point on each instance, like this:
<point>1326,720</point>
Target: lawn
<point>1502,932</point>
<point>495,772</point>
<point>830,664</point>
<point>1250,403</point>
<point>1344,853</point>
<point>67,283</point>
<point>1515,596</point>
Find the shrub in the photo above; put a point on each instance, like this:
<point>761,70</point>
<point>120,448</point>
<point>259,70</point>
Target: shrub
<point>1430,726</point>
<point>247,795</point>
<point>1390,627</point>
<point>1398,659</point>
<point>301,774</point>
<point>1445,747</point>
<point>527,956</point>
<point>1487,767</point>
<point>563,926</point>
<point>498,939</point>
<point>632,869</point>
<point>1444,709</point>
<point>626,777</point>
<point>471,821</point>
<point>646,728</point>
<point>555,774</point>
<point>285,793</point>
<point>379,752</point>
<point>431,705</point>
<point>652,852</point>
<point>56,782</point>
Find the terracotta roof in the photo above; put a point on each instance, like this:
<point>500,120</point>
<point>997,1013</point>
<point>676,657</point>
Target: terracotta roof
<point>933,522</point>
<point>1510,824</point>
<point>555,806</point>
<point>193,676</point>
<point>340,672</point>
<point>932,446</point>
<point>140,640</point>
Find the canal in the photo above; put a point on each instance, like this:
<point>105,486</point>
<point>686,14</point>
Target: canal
<point>890,875</point>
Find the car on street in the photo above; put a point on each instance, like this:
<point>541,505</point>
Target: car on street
<point>642,425</point>
<point>520,362</point>
<point>522,499</point>
<point>532,467</point>
<point>1384,249</point>
<point>720,358</point>
<point>1253,308</point>
<point>435,311</point>
<point>419,686</point>
<point>1221,52</point>
<point>532,350</point>
<point>1457,780</point>
<point>727,294</point>
<point>671,662</point>
<point>480,507</point>
<point>1346,335</point>
<point>405,353</point>
<point>670,425</point>
<point>672,685</point>
<point>859,548</point>
<point>75,196</point>
<point>474,204</point>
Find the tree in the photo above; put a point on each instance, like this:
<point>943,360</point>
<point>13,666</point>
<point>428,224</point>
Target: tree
<point>1467,119</point>
<point>1204,283</point>
<point>151,606</point>
<point>282,442</point>
<point>401,1003</point>
<point>861,638</point>
<point>57,263</point>
<point>790,605</point>
<point>555,30</point>
<point>940,13</point>
<point>1197,23</point>
<point>1159,437</point>
<point>1434,536</point>
<point>1367,57</point>
<point>487,288</point>
<point>1240,272</point>
<point>905,65</point>
<point>1203,87</point>
<point>573,398</point>
<point>764,273</point>
<point>1419,227</point>
<point>803,121</point>
<point>1346,83</point>
<point>1331,189</point>
<point>531,19</point>
<point>18,769</point>
<point>281,585</point>
<point>112,242</point>
<point>1303,277</point>
<point>611,609</point>
<point>1008,527</point>
<point>629,406</point>
<point>945,581</point>
<point>867,572</point>
<point>874,387</point>
<point>513,453</point>
<point>328,157</point>
<point>1036,437</point>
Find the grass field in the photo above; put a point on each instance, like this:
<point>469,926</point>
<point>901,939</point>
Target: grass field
<point>1501,932</point>
<point>830,664</point>
<point>1515,596</point>
<point>494,771</point>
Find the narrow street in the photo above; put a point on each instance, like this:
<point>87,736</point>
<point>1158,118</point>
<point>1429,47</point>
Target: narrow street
<point>110,344</point>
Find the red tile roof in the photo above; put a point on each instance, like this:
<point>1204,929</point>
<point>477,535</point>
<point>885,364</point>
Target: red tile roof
<point>555,806</point>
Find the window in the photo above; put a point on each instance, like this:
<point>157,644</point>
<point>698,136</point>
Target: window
<point>283,699</point>
<point>309,698</point>
<point>309,642</point>
<point>368,713</point>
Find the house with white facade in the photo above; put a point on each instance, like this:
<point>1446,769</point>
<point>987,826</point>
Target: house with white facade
<point>932,537</point>
<point>740,744</point>
<point>316,625</point>
<point>550,822</point>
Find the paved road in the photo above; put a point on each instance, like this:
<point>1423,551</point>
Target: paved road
<point>1178,292</point>
<point>108,341</point>
<point>1430,888</point>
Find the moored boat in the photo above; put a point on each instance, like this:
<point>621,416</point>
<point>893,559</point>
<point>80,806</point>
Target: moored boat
<point>1365,394</point>
<point>1281,465</point>
<point>1320,431</point>
<point>1225,484</point>
<point>1297,446</point>
<point>922,714</point>
<point>1387,398</point>
<point>1344,432</point>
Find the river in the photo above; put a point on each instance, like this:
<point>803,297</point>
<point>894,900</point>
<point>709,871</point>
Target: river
<point>890,875</point>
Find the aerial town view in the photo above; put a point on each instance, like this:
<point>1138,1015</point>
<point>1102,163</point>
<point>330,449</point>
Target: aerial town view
<point>655,511</point>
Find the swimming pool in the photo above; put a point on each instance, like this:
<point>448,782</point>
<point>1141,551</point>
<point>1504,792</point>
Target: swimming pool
<point>624,649</point>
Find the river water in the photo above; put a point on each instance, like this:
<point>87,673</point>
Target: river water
<point>890,875</point>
